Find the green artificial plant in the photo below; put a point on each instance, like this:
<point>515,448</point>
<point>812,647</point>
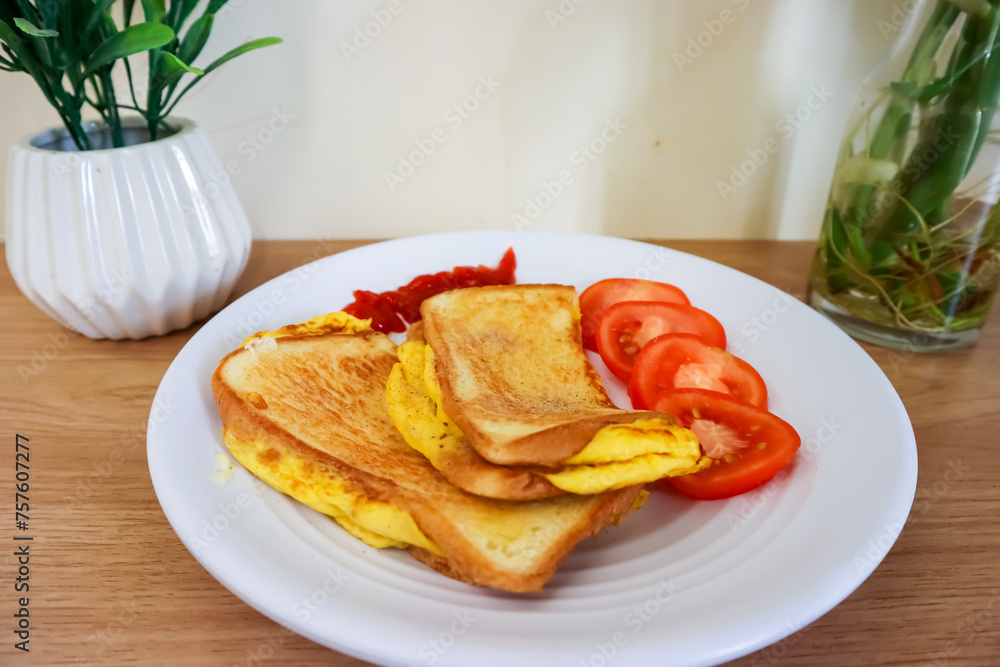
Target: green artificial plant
<point>70,48</point>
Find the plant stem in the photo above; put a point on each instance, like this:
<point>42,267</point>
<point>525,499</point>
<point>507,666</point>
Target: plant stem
<point>960,119</point>
<point>117,137</point>
<point>894,125</point>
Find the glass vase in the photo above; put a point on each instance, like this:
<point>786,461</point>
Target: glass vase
<point>909,252</point>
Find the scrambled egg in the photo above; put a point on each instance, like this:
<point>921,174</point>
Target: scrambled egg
<point>317,326</point>
<point>377,524</point>
<point>414,399</point>
<point>620,455</point>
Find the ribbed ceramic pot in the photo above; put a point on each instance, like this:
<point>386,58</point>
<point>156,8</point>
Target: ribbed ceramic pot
<point>124,242</point>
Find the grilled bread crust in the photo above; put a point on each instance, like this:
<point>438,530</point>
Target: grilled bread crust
<point>322,399</point>
<point>513,373</point>
<point>469,471</point>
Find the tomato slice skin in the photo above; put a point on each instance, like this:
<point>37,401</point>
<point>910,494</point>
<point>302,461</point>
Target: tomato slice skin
<point>753,447</point>
<point>603,294</point>
<point>684,361</point>
<point>627,326</point>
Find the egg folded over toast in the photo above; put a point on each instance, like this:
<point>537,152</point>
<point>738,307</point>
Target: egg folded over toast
<point>304,409</point>
<point>494,388</point>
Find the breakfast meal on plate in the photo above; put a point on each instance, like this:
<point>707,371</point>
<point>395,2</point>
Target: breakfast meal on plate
<point>485,444</point>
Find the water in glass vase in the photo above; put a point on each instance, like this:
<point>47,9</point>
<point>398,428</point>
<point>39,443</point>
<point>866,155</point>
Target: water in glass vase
<point>909,252</point>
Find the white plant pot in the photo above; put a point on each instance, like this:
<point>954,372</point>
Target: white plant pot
<point>123,242</point>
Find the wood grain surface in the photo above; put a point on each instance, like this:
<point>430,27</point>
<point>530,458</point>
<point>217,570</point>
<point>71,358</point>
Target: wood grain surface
<point>112,584</point>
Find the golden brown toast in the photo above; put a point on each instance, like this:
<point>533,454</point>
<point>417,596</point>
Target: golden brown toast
<point>316,405</point>
<point>415,414</point>
<point>513,373</point>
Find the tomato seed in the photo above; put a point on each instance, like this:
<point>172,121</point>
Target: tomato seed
<point>628,346</point>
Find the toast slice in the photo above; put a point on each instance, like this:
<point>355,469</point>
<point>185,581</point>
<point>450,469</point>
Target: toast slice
<point>307,414</point>
<point>514,376</point>
<point>417,414</point>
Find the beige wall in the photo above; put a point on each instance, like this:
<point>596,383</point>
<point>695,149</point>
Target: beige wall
<point>327,131</point>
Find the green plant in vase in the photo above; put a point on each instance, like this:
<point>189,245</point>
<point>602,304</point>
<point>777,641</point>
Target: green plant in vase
<point>909,252</point>
<point>71,46</point>
<point>115,227</point>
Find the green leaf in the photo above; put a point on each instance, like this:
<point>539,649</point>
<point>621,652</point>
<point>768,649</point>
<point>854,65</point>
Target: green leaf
<point>26,60</point>
<point>134,39</point>
<point>28,28</point>
<point>14,45</point>
<point>46,12</point>
<point>186,7</point>
<point>838,237</point>
<point>127,7</point>
<point>97,14</point>
<point>215,5</point>
<point>883,254</point>
<point>8,66</point>
<point>109,24</point>
<point>240,50</point>
<point>196,37</point>
<point>11,57</point>
<point>172,64</point>
<point>154,10</point>
<point>171,69</point>
<point>905,89</point>
<point>974,7</point>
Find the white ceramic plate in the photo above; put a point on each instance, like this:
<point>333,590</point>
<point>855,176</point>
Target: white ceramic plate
<point>679,583</point>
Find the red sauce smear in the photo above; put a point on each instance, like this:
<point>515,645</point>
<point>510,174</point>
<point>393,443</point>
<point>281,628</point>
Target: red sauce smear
<point>388,310</point>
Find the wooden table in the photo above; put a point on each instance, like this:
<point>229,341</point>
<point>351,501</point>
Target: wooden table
<point>112,584</point>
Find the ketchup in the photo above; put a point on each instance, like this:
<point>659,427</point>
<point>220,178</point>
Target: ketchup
<point>388,310</point>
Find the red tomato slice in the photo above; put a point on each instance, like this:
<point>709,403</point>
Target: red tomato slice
<point>684,361</point>
<point>603,294</point>
<point>748,445</point>
<point>626,327</point>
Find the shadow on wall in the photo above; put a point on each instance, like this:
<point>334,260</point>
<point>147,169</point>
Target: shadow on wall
<point>852,42</point>
<point>704,109</point>
<point>562,115</point>
<point>740,115</point>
